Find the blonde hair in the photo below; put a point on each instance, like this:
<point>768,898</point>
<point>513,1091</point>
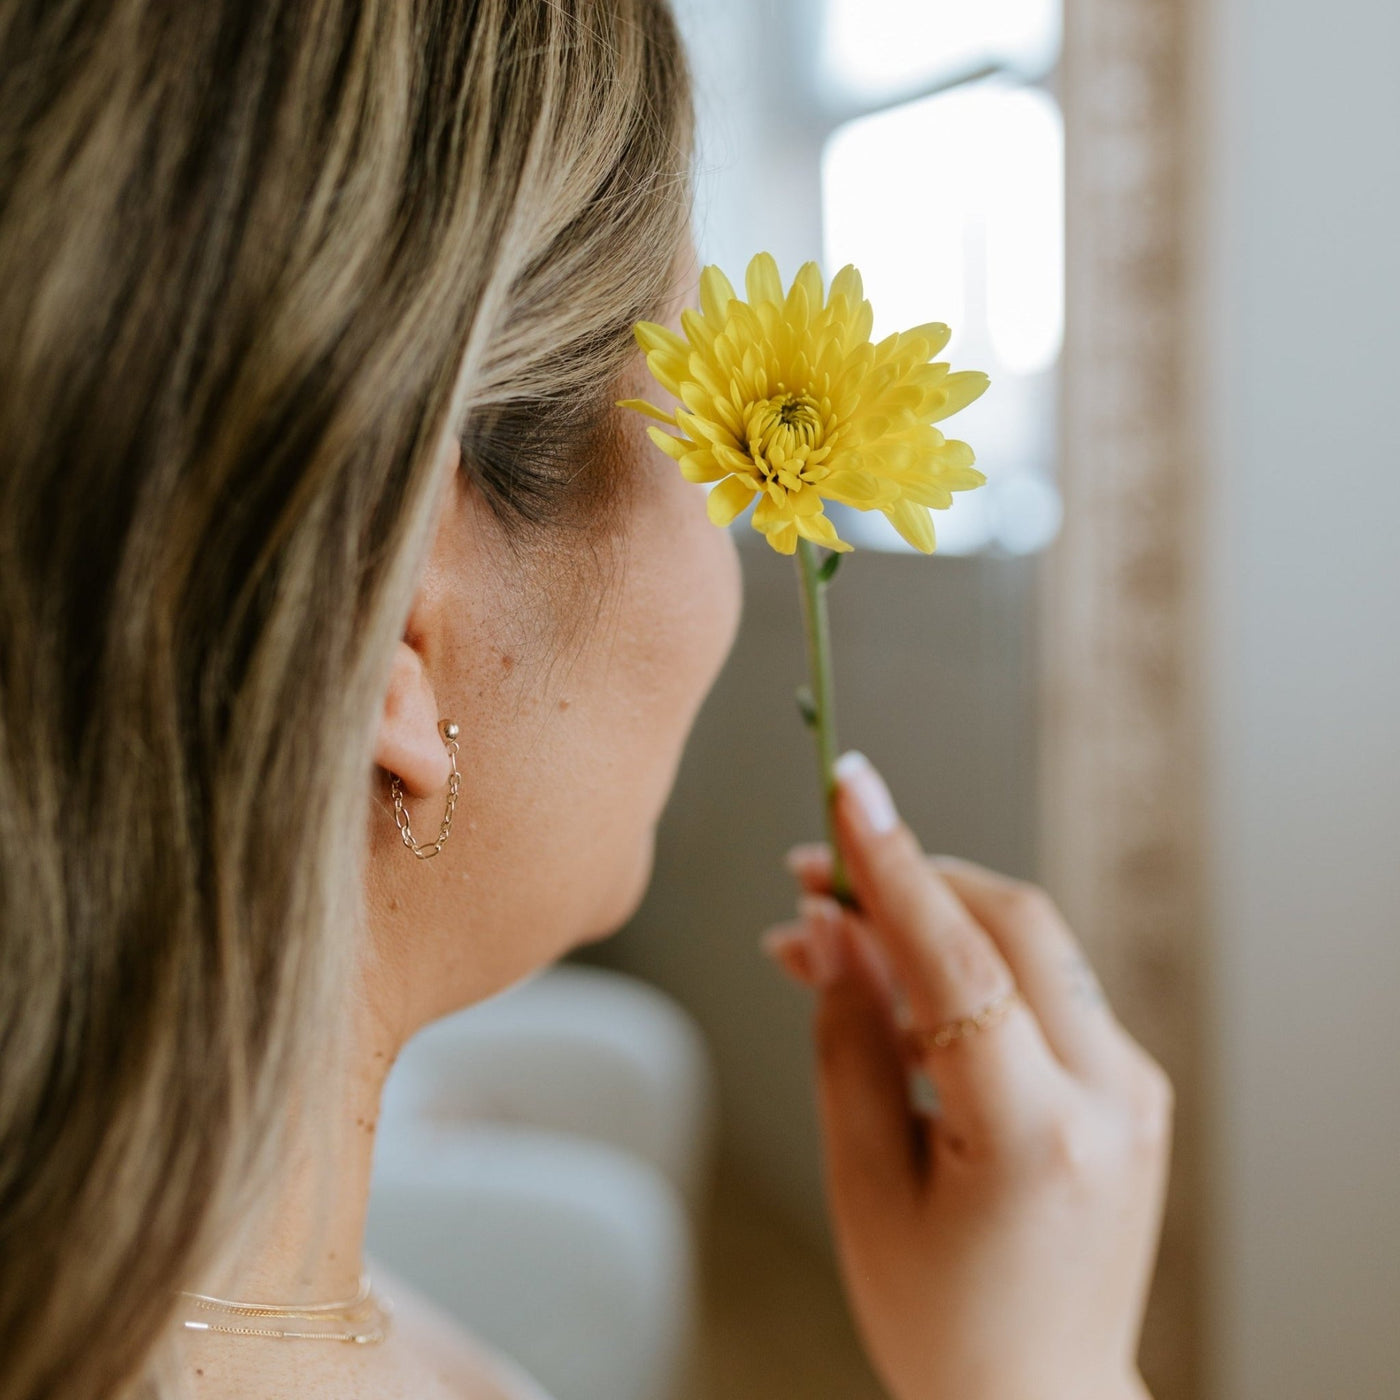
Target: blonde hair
<point>255,261</point>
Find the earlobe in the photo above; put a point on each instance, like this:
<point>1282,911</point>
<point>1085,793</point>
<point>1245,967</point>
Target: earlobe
<point>409,743</point>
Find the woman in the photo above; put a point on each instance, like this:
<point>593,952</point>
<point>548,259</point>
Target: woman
<point>350,641</point>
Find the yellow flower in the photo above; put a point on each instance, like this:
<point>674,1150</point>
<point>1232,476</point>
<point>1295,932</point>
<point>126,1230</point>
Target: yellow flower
<point>785,395</point>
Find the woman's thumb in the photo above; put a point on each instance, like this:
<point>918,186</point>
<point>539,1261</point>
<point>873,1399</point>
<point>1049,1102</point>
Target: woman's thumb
<point>872,1138</point>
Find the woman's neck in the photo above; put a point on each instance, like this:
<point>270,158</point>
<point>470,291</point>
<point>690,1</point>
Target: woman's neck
<point>307,1244</point>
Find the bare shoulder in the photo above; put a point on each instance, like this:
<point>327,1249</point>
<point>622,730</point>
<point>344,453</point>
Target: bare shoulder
<point>466,1365</point>
<point>427,1355</point>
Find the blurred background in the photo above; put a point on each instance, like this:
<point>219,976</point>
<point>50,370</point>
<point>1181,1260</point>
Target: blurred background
<point>1154,665</point>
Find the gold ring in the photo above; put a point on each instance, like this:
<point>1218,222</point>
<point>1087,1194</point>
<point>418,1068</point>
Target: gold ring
<point>949,1031</point>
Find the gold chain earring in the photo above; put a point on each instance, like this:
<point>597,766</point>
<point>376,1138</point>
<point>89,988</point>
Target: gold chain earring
<point>449,732</point>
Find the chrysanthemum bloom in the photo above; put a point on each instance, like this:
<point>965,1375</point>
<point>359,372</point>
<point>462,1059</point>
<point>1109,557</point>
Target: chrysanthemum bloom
<point>785,398</point>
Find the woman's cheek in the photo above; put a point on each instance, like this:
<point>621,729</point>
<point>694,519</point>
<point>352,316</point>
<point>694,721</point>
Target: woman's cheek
<point>731,571</point>
<point>716,584</point>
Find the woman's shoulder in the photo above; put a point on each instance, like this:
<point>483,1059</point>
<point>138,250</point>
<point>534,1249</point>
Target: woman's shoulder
<point>467,1365</point>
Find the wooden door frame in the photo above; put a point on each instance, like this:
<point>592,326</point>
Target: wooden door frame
<point>1121,790</point>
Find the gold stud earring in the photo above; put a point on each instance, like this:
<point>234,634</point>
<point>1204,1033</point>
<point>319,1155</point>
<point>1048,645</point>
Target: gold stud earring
<point>449,732</point>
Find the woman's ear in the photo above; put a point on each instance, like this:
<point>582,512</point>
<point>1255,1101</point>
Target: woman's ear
<point>409,742</point>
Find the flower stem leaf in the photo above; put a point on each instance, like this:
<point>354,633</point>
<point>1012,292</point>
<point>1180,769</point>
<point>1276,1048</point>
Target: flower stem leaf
<point>807,706</point>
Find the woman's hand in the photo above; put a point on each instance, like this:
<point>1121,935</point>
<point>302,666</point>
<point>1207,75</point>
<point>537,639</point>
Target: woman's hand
<point>1002,1249</point>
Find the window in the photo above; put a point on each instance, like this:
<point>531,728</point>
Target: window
<point>951,202</point>
<point>872,48</point>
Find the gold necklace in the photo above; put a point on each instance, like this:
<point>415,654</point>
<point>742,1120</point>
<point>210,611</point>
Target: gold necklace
<point>364,1317</point>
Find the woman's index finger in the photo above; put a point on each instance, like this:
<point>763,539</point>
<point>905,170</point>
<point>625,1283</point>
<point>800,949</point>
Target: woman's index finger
<point>993,1083</point>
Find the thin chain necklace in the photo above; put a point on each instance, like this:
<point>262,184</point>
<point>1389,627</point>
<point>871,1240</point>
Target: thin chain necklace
<point>363,1319</point>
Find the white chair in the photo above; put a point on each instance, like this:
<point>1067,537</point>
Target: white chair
<point>540,1162</point>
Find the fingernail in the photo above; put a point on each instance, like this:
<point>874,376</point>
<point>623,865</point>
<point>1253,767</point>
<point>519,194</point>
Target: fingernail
<point>826,943</point>
<point>773,940</point>
<point>802,855</point>
<point>857,776</point>
<point>790,951</point>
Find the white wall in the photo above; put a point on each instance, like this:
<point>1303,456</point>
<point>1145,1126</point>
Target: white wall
<point>1300,360</point>
<point>758,183</point>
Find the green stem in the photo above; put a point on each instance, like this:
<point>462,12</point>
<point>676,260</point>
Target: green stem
<point>824,722</point>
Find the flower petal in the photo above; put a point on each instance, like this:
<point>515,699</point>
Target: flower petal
<point>670,444</point>
<point>809,278</point>
<point>698,399</point>
<point>650,409</point>
<point>854,487</point>
<point>762,281</point>
<point>729,416</point>
<point>700,465</point>
<point>935,333</point>
<point>701,333</point>
<point>797,318</point>
<point>951,456</point>
<point>716,293</point>
<point>772,508</point>
<point>959,390</point>
<point>726,500</point>
<point>651,336</point>
<point>913,523</point>
<point>961,478</point>
<point>936,494</point>
<point>783,538</point>
<point>820,530</point>
<point>667,370</point>
<point>869,427</point>
<point>731,459</point>
<point>699,427</point>
<point>862,323</point>
<point>847,284</point>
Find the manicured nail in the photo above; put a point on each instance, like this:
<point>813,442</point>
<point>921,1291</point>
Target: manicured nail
<point>857,776</point>
<point>826,942</point>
